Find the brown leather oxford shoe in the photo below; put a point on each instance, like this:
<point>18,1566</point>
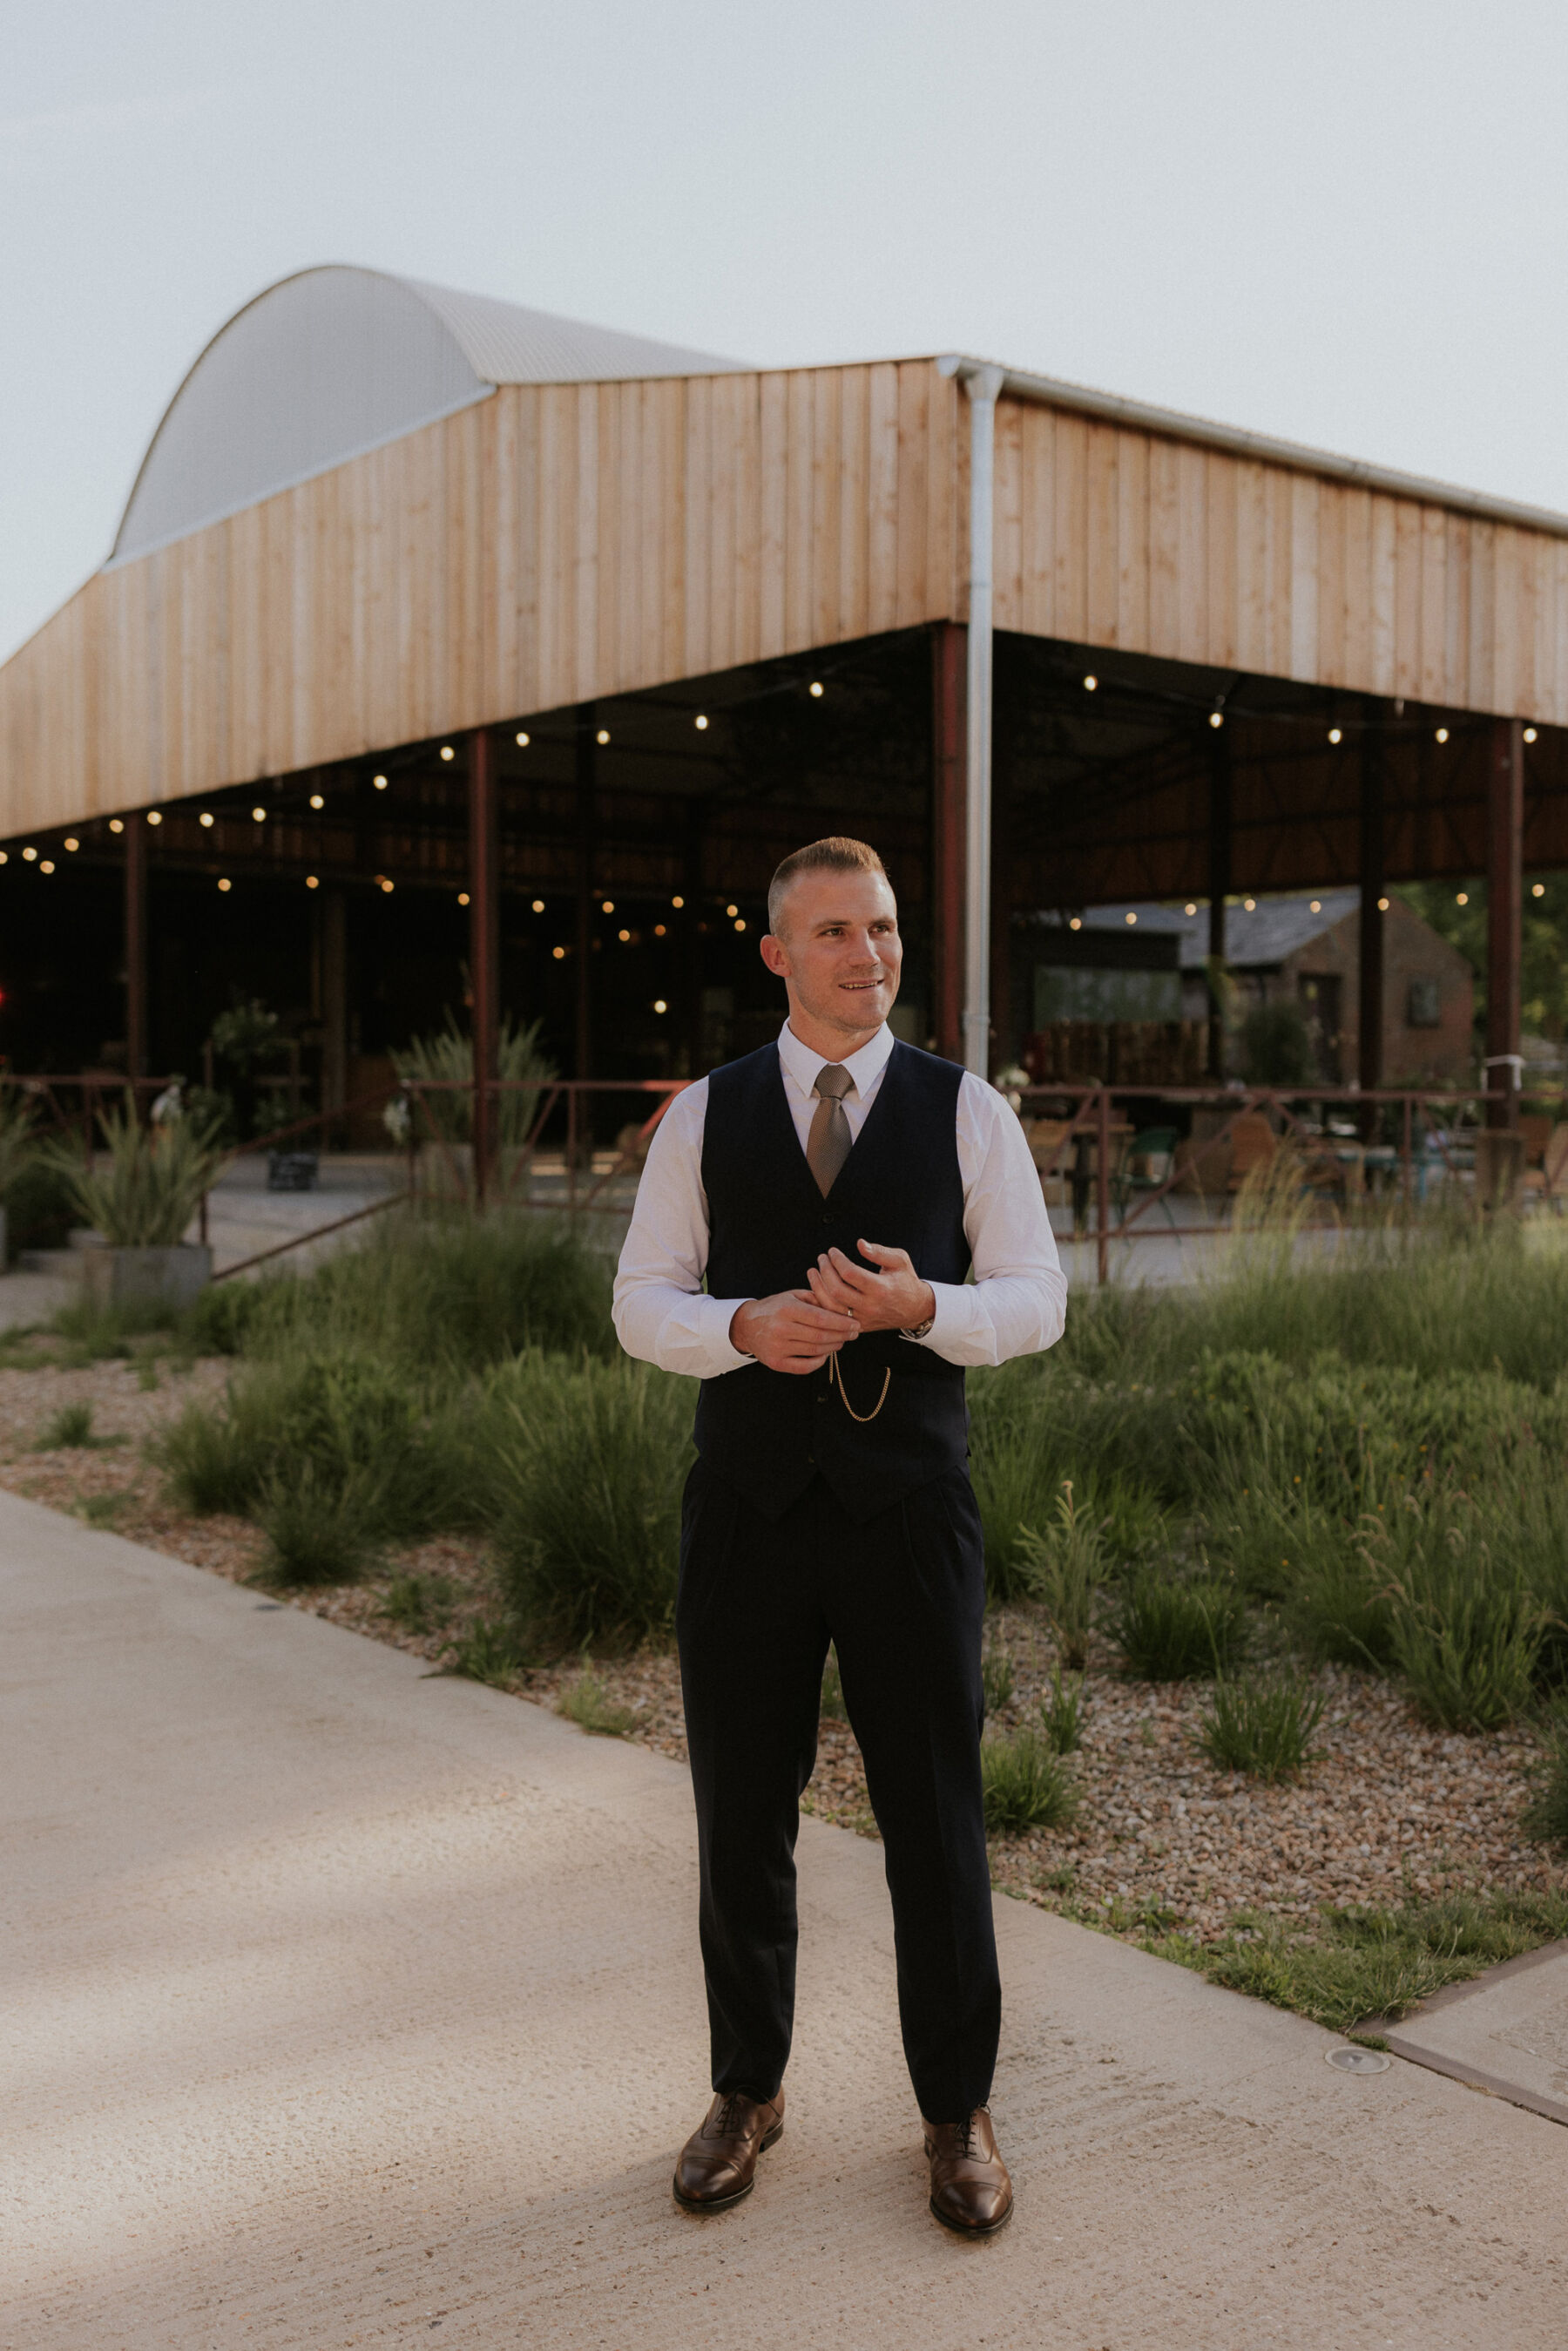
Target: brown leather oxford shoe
<point>718,2164</point>
<point>970,2191</point>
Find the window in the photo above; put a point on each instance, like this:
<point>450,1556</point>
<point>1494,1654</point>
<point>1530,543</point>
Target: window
<point>1425,1011</point>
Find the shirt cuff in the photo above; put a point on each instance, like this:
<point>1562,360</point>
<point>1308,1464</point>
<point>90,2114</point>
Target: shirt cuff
<point>951,1319</point>
<point>717,1314</point>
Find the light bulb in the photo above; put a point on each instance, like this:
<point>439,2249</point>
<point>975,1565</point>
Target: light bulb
<point>816,689</point>
<point>659,1005</point>
<point>47,865</point>
<point>447,752</point>
<point>1132,918</point>
<point>1442,735</point>
<point>732,910</point>
<point>741,925</point>
<point>1336,734</point>
<point>538,906</point>
<point>387,887</point>
<point>71,841</point>
<point>206,820</point>
<point>317,801</point>
<point>1250,904</point>
<point>1090,684</point>
<point>154,816</point>
<point>678,902</point>
<point>223,886</point>
<point>558,953</point>
<point>608,905</point>
<point>623,936</point>
<point>259,815</point>
<point>701,724</point>
<point>380,782</point>
<point>1076,924</point>
<point>5,857</point>
<point>1537,889</point>
<point>659,930</point>
<point>1216,718</point>
<point>603,735</point>
<point>31,855</point>
<point>1461,897</point>
<point>1383,906</point>
<point>1316,906</point>
<point>1191,907</point>
<point>115,825</point>
<point>463,897</point>
<point>1529,734</point>
<point>522,740</point>
<point>312,882</point>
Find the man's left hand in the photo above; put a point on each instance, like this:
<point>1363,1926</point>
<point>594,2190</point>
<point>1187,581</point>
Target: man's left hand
<point>891,1298</point>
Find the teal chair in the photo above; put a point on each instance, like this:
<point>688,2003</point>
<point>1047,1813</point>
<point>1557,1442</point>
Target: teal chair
<point>1145,1165</point>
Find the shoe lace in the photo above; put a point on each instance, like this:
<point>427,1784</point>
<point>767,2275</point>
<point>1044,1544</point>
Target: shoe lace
<point>965,2132</point>
<point>728,2119</point>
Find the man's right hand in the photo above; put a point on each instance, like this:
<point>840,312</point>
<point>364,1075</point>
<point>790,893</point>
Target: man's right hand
<point>790,1332</point>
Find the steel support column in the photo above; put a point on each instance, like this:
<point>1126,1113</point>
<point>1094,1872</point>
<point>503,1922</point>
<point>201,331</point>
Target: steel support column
<point>1369,1040</point>
<point>1505,894</point>
<point>136,946</point>
<point>583,942</point>
<point>1219,887</point>
<point>949,658</point>
<point>982,386</point>
<point>484,947</point>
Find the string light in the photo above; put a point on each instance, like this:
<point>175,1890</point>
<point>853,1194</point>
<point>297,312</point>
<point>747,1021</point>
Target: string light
<point>5,857</point>
<point>71,841</point>
<point>659,1005</point>
<point>1529,734</point>
<point>1537,889</point>
<point>1132,918</point>
<point>701,724</point>
<point>258,816</point>
<point>317,801</point>
<point>815,689</point>
<point>463,897</point>
<point>115,825</point>
<point>1461,897</point>
<point>387,887</point>
<point>1383,906</point>
<point>608,905</point>
<point>225,886</point>
<point>47,866</point>
<point>1250,904</point>
<point>603,735</point>
<point>521,739</point>
<point>1091,685</point>
<point>154,816</point>
<point>313,882</point>
<point>31,855</point>
<point>1076,924</point>
<point>380,782</point>
<point>732,910</point>
<point>1336,734</point>
<point>623,936</point>
<point>206,819</point>
<point>1442,735</point>
<point>1191,906</point>
<point>538,906</point>
<point>1316,906</point>
<point>558,953</point>
<point>740,925</point>
<point>678,902</point>
<point>447,752</point>
<point>1217,718</point>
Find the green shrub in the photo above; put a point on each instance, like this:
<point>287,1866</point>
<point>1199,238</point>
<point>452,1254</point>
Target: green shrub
<point>485,1652</point>
<point>1063,1569</point>
<point>585,1702</point>
<point>1546,1815</point>
<point>587,1477</point>
<point>69,1427</point>
<point>1465,1642</point>
<point>1168,1631</point>
<point>223,1317</point>
<point>1027,1786</point>
<point>996,1675</point>
<point>419,1604</point>
<point>1262,1727</point>
<point>1061,1714</point>
<point>40,1206</point>
<point>832,1707</point>
<point>320,1527</point>
<point>153,1183</point>
<point>446,1059</point>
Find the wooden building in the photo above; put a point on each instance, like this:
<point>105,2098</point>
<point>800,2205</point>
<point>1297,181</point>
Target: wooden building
<point>417,593</point>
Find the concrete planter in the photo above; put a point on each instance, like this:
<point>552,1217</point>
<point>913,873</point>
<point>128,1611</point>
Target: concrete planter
<point>121,1277</point>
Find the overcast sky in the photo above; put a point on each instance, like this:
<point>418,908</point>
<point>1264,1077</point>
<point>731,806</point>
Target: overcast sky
<point>1340,223</point>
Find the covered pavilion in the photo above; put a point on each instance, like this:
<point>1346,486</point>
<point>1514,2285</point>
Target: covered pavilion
<point>448,652</point>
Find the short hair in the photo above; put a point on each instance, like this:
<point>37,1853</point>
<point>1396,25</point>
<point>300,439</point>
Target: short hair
<point>836,855</point>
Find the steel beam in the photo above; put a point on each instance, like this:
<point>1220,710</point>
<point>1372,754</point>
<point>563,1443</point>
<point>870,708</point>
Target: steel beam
<point>136,844</point>
<point>1369,1042</point>
<point>1505,892</point>
<point>949,658</point>
<point>484,947</point>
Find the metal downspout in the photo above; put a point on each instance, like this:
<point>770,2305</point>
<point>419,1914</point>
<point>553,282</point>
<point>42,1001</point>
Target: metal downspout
<point>983,386</point>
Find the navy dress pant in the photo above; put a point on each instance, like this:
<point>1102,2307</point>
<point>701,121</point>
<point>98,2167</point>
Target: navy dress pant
<point>902,1597</point>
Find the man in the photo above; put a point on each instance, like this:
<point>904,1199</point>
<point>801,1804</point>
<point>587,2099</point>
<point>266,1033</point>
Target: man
<point>834,1189</point>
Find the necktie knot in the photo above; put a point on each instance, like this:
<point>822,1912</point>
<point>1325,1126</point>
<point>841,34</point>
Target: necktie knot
<point>834,1081</point>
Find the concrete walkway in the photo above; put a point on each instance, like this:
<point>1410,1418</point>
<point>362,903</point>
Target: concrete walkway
<point>346,2007</point>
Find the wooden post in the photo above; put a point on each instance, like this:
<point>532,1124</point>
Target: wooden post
<point>1219,882</point>
<point>136,946</point>
<point>690,936</point>
<point>483,947</point>
<point>1370,1040</point>
<point>588,786</point>
<point>1505,892</point>
<point>949,659</point>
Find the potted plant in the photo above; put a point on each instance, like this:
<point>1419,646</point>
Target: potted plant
<point>443,1121</point>
<point>141,1203</point>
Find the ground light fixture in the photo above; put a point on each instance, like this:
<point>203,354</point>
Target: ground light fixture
<point>5,857</point>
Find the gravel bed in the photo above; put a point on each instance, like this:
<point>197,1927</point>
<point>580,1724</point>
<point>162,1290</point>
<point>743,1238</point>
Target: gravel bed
<point>1388,1808</point>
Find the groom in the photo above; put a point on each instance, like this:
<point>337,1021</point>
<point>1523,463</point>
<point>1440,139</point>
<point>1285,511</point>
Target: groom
<point>835,1189</point>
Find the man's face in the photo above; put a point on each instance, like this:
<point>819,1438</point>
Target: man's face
<point>837,948</point>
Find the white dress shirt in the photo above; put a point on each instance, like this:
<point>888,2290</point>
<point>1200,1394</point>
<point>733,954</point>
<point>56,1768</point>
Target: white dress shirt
<point>1015,1305</point>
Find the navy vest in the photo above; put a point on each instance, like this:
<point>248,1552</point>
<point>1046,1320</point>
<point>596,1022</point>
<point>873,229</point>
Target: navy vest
<point>766,1433</point>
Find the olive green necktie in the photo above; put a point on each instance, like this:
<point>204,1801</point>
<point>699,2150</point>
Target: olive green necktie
<point>828,1144</point>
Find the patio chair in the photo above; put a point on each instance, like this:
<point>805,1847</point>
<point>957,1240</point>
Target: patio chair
<point>1146,1166</point>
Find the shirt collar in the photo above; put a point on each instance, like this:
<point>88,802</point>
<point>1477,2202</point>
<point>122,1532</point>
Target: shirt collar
<point>802,1065</point>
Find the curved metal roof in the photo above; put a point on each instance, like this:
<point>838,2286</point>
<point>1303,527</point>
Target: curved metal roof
<point>335,361</point>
